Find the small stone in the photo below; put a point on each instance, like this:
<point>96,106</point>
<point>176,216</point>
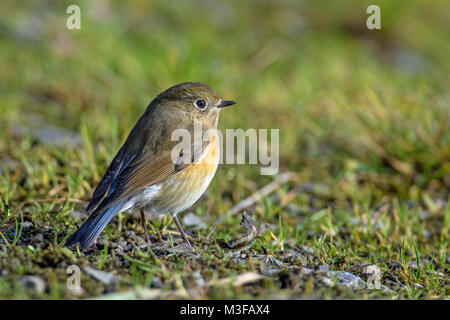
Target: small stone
<point>156,282</point>
<point>423,214</point>
<point>347,279</point>
<point>38,239</point>
<point>308,250</point>
<point>270,266</point>
<point>34,283</point>
<point>7,163</point>
<point>123,244</point>
<point>327,281</point>
<point>275,198</point>
<point>191,220</point>
<point>293,256</point>
<point>134,238</point>
<point>277,263</point>
<point>413,264</point>
<point>306,271</point>
<point>104,277</point>
<point>118,249</point>
<point>198,279</point>
<point>101,242</point>
<point>26,225</point>
<point>268,270</point>
<point>305,188</point>
<point>324,268</point>
<point>408,61</point>
<point>41,130</point>
<point>293,209</point>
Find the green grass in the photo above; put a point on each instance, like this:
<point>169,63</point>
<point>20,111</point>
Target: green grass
<point>363,118</point>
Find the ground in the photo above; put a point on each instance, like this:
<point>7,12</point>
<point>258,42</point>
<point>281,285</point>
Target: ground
<point>364,137</point>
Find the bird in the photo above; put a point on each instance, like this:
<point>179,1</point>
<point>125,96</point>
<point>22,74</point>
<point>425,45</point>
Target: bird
<point>149,172</point>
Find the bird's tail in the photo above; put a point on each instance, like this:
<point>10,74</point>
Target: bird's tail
<point>92,227</point>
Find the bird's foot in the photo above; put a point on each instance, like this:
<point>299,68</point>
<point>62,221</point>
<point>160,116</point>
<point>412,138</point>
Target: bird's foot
<point>197,253</point>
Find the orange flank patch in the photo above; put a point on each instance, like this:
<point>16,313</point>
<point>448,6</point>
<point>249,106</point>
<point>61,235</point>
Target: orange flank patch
<point>197,173</point>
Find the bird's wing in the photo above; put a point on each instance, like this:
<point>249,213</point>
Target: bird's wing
<point>118,164</point>
<point>146,170</point>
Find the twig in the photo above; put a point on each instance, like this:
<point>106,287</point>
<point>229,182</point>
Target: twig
<point>252,232</point>
<point>239,280</point>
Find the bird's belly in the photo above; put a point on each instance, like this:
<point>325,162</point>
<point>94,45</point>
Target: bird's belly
<point>184,188</point>
<point>141,199</point>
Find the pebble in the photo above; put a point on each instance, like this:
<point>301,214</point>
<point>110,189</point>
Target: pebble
<point>38,240</point>
<point>413,264</point>
<point>347,279</point>
<point>307,250</point>
<point>191,220</point>
<point>423,214</point>
<point>293,256</point>
<point>26,225</point>
<point>198,279</point>
<point>104,277</point>
<point>306,270</point>
<point>34,283</point>
<point>327,281</point>
<point>293,209</point>
<point>156,282</point>
<point>324,268</point>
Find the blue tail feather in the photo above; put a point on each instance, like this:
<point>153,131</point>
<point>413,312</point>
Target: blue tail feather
<point>92,227</point>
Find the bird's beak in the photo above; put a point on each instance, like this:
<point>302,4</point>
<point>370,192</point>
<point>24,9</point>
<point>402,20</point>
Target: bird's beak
<point>225,103</point>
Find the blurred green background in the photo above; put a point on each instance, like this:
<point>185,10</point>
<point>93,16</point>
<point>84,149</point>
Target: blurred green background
<point>311,68</point>
<point>365,112</point>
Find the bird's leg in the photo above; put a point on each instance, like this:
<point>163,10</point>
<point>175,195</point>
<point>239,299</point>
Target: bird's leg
<point>144,225</point>
<point>183,234</point>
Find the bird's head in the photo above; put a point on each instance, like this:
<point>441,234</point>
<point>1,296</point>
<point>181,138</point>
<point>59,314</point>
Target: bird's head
<point>191,101</point>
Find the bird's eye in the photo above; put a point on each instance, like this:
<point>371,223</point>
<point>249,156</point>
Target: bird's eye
<point>200,104</point>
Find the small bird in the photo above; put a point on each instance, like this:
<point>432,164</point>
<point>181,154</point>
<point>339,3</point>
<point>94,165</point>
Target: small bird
<point>144,174</point>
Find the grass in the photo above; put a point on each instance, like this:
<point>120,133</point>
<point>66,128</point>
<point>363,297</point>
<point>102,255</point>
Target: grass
<point>363,118</point>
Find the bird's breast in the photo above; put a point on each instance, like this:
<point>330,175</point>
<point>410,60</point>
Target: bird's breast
<point>184,188</point>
